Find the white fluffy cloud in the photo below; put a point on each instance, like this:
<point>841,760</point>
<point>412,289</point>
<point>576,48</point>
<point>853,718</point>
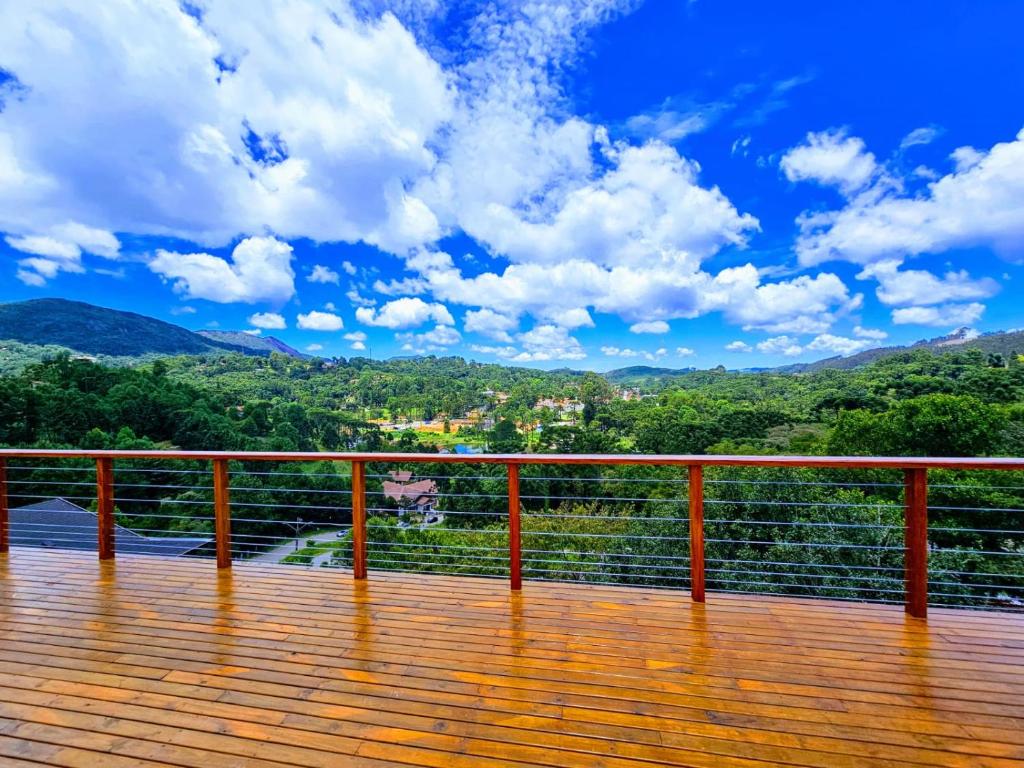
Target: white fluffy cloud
<point>358,339</point>
<point>943,315</point>
<point>586,224</point>
<point>299,116</point>
<point>405,313</point>
<point>317,121</point>
<point>320,321</point>
<point>322,274</point>
<point>919,287</point>
<point>314,347</point>
<point>657,354</point>
<point>438,339</point>
<point>60,250</point>
<point>259,270</point>
<point>314,120</point>
<point>649,206</point>
<point>541,343</point>
<point>918,136</point>
<point>781,345</point>
<point>509,82</point>
<point>979,203</point>
<point>491,324</point>
<point>548,342</point>
<point>674,290</point>
<point>789,346</point>
<point>840,345</point>
<point>408,286</point>
<point>873,334</point>
<point>269,320</point>
<point>654,326</point>
<point>831,158</point>
<point>804,304</point>
<point>685,352</point>
<point>358,299</point>
<point>738,346</point>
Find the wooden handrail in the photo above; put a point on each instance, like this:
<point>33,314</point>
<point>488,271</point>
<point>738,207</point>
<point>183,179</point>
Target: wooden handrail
<point>696,489</point>
<point>611,459</point>
<point>515,556</point>
<point>916,537</point>
<point>222,512</point>
<point>105,507</point>
<point>359,520</point>
<point>5,538</point>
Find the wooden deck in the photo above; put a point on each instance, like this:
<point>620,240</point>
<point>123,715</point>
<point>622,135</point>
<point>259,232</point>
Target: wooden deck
<point>155,661</point>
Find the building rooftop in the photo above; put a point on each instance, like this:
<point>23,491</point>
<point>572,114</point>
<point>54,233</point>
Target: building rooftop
<point>418,492</point>
<point>60,524</point>
<point>159,661</point>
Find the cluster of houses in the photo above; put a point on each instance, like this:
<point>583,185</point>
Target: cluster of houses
<point>562,411</point>
<point>563,407</point>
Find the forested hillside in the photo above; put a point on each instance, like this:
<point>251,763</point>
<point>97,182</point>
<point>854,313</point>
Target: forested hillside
<point>32,328</point>
<point>961,403</point>
<point>97,330</point>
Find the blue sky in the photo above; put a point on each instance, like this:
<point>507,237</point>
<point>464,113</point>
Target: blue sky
<point>593,184</point>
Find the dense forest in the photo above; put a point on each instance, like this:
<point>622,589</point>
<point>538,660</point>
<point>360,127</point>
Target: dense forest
<point>791,531</point>
<point>958,404</point>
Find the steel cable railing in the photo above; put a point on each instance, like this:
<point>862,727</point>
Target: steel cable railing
<point>841,528</point>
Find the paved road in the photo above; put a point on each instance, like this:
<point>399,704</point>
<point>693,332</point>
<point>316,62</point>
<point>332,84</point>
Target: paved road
<point>280,552</point>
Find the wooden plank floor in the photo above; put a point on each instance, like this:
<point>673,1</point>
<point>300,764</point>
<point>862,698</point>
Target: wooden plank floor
<point>150,661</point>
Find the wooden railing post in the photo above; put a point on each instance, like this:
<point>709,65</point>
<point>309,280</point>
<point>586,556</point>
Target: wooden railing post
<point>696,477</point>
<point>5,536</point>
<point>105,507</point>
<point>359,519</point>
<point>515,556</point>
<point>222,512</point>
<point>916,537</point>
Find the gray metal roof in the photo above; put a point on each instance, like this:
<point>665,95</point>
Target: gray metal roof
<point>57,523</point>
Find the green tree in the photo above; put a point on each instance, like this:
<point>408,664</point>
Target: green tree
<point>595,391</point>
<point>930,425</point>
<point>505,438</point>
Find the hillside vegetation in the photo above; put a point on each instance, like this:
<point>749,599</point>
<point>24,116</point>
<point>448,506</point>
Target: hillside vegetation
<point>42,326</point>
<point>960,403</point>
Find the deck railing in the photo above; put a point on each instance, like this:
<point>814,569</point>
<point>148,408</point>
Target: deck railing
<point>873,513</point>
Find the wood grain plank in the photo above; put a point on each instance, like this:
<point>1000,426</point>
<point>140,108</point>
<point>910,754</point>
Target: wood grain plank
<point>157,660</point>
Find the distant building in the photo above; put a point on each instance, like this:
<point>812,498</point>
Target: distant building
<point>413,497</point>
<point>58,524</point>
<point>562,406</point>
<point>418,496</point>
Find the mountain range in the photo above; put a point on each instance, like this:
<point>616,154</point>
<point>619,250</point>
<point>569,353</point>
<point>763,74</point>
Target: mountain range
<point>998,343</point>
<point>92,330</point>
